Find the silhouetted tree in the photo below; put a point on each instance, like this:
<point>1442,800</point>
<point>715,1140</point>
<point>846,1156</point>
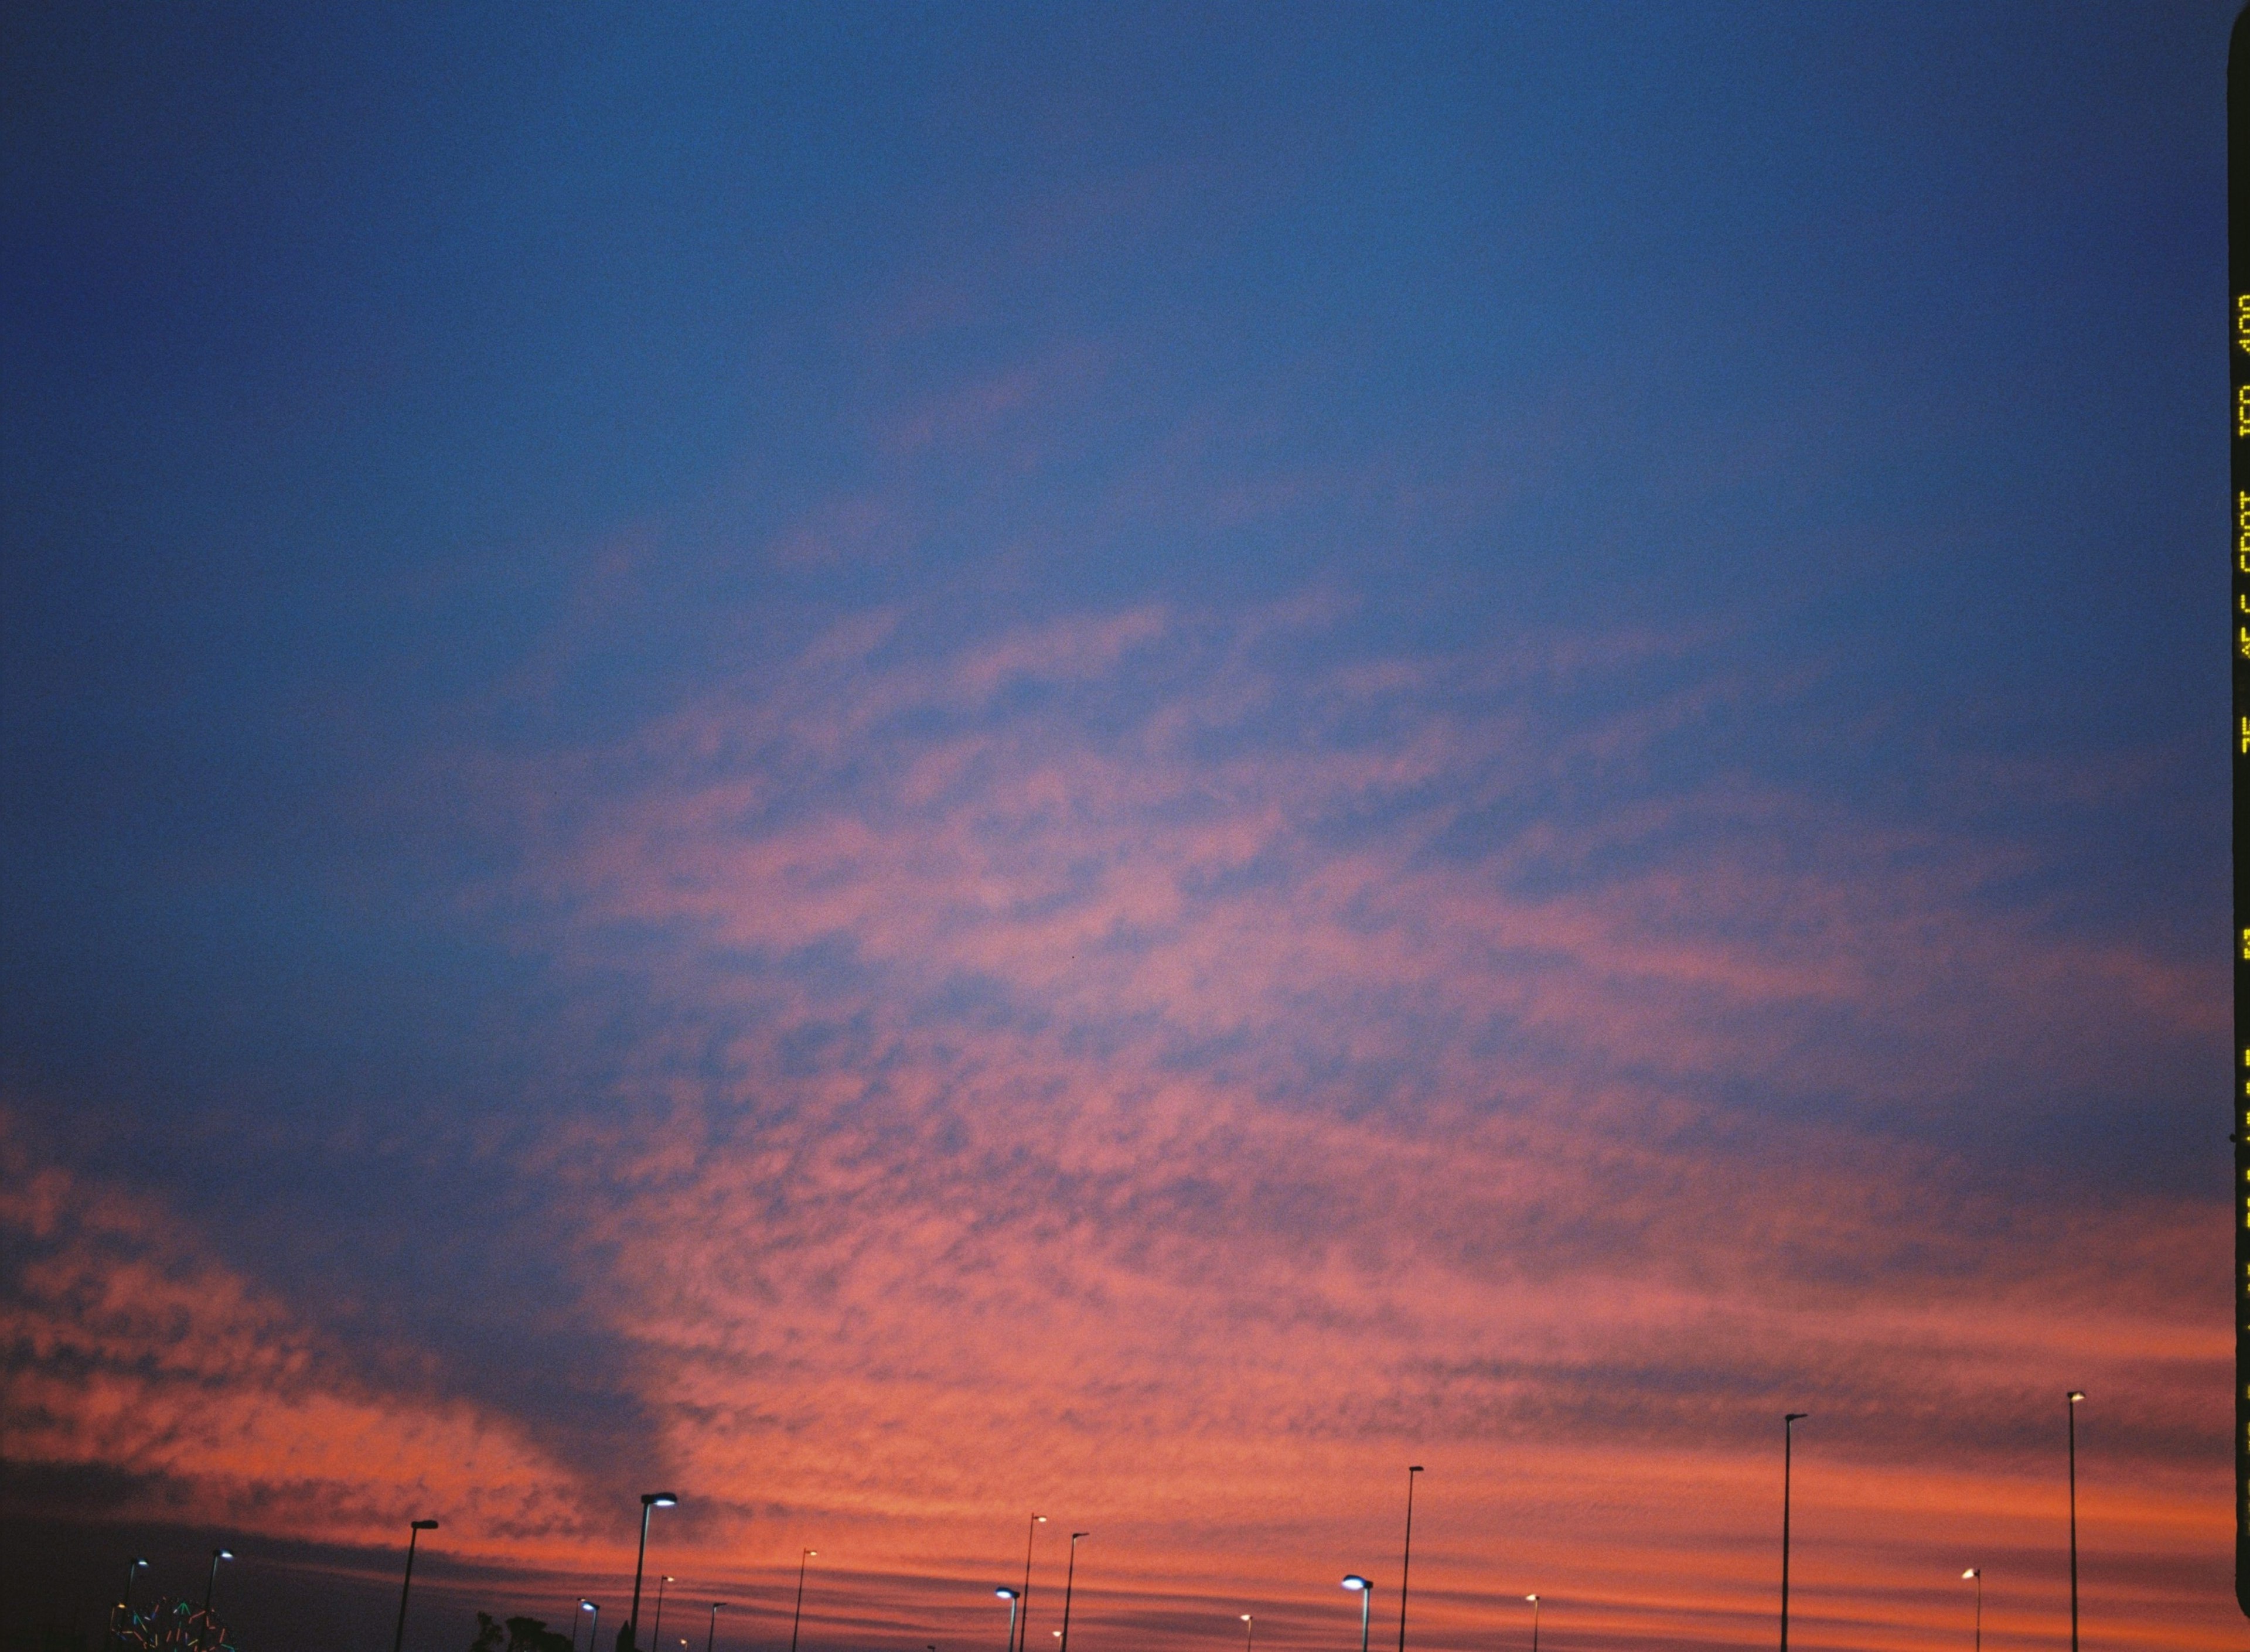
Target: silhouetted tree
<point>516,1635</point>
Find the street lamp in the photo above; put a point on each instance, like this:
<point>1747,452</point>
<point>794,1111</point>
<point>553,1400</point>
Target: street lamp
<point>1247,1630</point>
<point>655,1629</point>
<point>2071,1406</point>
<point>1365,1591</point>
<point>1789,1422</point>
<point>1030,1531</point>
<point>1978,1572</point>
<point>414,1530</point>
<point>593,1625</point>
<point>649,1500</point>
<point>211,1584</point>
<point>799,1617</point>
<point>1534,1621</point>
<point>1069,1581</point>
<point>125,1603</point>
<point>712,1638</point>
<point>1405,1565</point>
<point>1011,1597</point>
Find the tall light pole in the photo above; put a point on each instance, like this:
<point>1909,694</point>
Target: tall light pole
<point>125,1601</point>
<point>798,1616</point>
<point>1534,1621</point>
<point>2071,1407</point>
<point>712,1638</point>
<point>1788,1449</point>
<point>1360,1587</point>
<point>1405,1565</point>
<point>656,1628</point>
<point>1011,1597</point>
<point>593,1624</point>
<point>1069,1581</point>
<point>1247,1630</point>
<point>1978,1572</point>
<point>649,1501</point>
<point>1030,1531</point>
<point>211,1583</point>
<point>413,1531</point>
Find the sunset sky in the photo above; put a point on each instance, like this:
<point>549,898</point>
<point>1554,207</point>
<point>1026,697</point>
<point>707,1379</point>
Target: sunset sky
<point>905,764</point>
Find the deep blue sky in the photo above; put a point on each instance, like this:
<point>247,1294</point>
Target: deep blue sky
<point>567,574</point>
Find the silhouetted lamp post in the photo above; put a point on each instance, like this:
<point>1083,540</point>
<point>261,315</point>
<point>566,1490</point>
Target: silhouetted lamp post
<point>1978,1572</point>
<point>649,1500</point>
<point>2071,1406</point>
<point>1069,1581</point>
<point>593,1625</point>
<point>712,1638</point>
<point>1365,1591</point>
<point>1030,1531</point>
<point>1534,1621</point>
<point>1788,1449</point>
<point>1011,1597</point>
<point>413,1531</point>
<point>799,1617</point>
<point>211,1584</point>
<point>126,1602</point>
<point>1405,1565</point>
<point>656,1627</point>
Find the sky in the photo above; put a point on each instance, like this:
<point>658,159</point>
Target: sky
<point>908,765</point>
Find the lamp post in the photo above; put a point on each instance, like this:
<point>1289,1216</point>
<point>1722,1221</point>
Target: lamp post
<point>1365,1591</point>
<point>649,1501</point>
<point>1011,1597</point>
<point>1534,1621</point>
<point>211,1583</point>
<point>1030,1531</point>
<point>1978,1572</point>
<point>1789,1422</point>
<point>1406,1564</point>
<point>126,1601</point>
<point>414,1530</point>
<point>1246,1630</point>
<point>1069,1581</point>
<point>593,1624</point>
<point>799,1617</point>
<point>712,1638</point>
<point>2071,1407</point>
<point>655,1628</point>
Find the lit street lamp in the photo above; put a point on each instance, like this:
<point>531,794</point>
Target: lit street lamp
<point>211,1584</point>
<point>649,1500</point>
<point>1365,1591</point>
<point>593,1625</point>
<point>1534,1621</point>
<point>126,1602</point>
<point>2071,1406</point>
<point>656,1628</point>
<point>413,1531</point>
<point>1030,1531</point>
<point>1011,1597</point>
<point>799,1617</point>
<point>1788,1447</point>
<point>712,1638</point>
<point>1069,1581</point>
<point>1246,1627</point>
<point>1978,1572</point>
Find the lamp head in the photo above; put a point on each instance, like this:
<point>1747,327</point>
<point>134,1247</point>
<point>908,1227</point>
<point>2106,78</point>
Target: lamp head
<point>138,1563</point>
<point>1971,1573</point>
<point>1533,1599</point>
<point>2075,1397</point>
<point>811,1554</point>
<point>1246,1617</point>
<point>588,1606</point>
<point>425,1525</point>
<point>1041,1518</point>
<point>1075,1536</point>
<point>658,1499</point>
<point>1355,1582</point>
<point>1795,1417</point>
<point>1005,1594</point>
<point>668,1578</point>
<point>1413,1468</point>
<point>222,1554</point>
